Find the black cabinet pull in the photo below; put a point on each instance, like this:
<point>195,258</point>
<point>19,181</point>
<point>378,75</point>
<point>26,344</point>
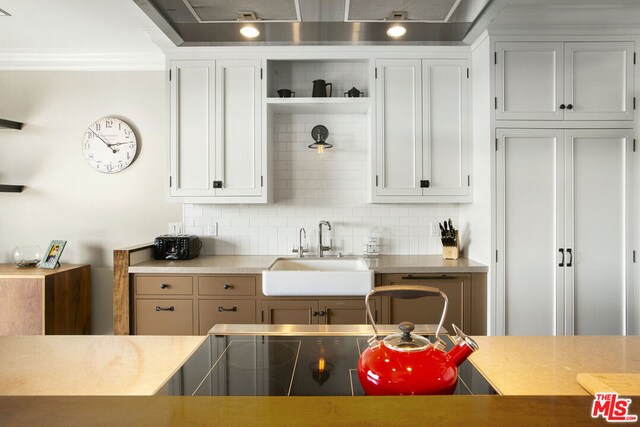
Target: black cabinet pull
<point>322,313</point>
<point>217,184</point>
<point>234,308</point>
<point>561,262</point>
<point>570,107</point>
<point>424,183</point>
<point>158,308</point>
<point>164,286</point>
<point>411,277</point>
<point>315,313</point>
<point>562,106</point>
<point>570,263</point>
<point>227,286</point>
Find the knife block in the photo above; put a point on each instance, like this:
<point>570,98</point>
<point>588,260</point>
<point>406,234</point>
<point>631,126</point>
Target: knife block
<point>452,252</point>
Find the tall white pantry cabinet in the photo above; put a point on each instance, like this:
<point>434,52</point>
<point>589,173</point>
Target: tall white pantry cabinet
<point>564,159</point>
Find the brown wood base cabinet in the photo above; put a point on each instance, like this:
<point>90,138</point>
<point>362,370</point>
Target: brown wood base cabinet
<point>183,304</point>
<point>461,305</point>
<point>329,311</point>
<point>36,301</point>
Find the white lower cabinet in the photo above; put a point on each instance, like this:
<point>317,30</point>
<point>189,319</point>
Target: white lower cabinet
<point>421,146</point>
<point>216,145</point>
<point>564,215</point>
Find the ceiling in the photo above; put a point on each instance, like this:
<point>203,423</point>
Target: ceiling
<point>121,27</point>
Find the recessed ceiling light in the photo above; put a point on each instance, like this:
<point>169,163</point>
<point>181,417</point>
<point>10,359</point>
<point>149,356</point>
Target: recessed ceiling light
<point>249,31</point>
<point>396,31</point>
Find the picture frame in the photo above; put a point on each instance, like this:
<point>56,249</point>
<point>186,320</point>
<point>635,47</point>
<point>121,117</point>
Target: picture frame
<point>52,255</point>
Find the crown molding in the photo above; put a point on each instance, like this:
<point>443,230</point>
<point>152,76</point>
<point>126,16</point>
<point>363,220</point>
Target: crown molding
<point>89,60</point>
<point>564,30</point>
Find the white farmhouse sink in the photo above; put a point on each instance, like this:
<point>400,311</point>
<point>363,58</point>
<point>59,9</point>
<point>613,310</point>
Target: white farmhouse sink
<point>317,276</point>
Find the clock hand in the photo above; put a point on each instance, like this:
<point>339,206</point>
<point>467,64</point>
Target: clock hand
<point>102,139</point>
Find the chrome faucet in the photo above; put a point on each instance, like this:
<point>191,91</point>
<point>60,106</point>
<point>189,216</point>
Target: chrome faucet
<point>320,247</point>
<point>300,251</point>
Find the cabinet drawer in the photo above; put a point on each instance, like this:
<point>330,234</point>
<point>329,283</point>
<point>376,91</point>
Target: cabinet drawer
<point>225,311</point>
<point>227,285</point>
<point>164,317</point>
<point>164,285</point>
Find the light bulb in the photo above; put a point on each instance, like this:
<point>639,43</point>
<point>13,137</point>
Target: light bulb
<point>321,150</point>
<point>249,31</point>
<point>396,31</point>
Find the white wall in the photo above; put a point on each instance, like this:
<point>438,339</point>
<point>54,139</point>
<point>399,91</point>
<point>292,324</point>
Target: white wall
<point>475,218</point>
<point>66,199</point>
<point>309,189</point>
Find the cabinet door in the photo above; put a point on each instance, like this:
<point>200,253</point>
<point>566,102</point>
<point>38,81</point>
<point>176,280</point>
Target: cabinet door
<point>428,310</point>
<point>399,127</point>
<point>529,81</point>
<point>346,312</point>
<point>290,312</point>
<point>192,128</point>
<point>229,311</point>
<point>444,127</point>
<point>530,225</point>
<point>599,165</point>
<point>238,128</point>
<point>599,81</point>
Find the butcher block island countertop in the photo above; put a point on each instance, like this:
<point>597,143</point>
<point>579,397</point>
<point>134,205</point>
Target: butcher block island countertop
<point>90,365</point>
<point>34,368</point>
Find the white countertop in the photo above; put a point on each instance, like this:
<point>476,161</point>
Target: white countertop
<point>255,264</point>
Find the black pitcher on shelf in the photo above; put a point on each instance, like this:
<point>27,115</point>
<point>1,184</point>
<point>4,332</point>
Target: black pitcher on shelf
<point>320,89</point>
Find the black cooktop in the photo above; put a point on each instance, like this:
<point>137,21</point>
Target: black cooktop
<point>285,366</point>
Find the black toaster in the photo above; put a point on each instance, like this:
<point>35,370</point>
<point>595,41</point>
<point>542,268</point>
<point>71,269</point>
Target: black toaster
<point>176,246</point>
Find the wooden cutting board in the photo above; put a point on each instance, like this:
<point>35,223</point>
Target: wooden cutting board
<point>623,384</point>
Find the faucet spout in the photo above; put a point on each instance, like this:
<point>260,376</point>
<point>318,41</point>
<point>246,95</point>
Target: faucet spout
<point>321,247</point>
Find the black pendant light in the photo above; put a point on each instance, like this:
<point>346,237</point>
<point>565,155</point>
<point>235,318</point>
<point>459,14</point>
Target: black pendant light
<point>320,134</point>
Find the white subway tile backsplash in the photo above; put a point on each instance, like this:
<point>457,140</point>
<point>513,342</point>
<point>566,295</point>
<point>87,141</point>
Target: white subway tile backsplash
<point>310,188</point>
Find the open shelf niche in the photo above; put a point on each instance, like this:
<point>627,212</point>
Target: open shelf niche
<point>298,76</point>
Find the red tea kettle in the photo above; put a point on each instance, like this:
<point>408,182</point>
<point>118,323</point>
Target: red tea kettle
<point>408,364</point>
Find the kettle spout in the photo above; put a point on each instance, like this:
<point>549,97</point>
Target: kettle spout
<point>465,345</point>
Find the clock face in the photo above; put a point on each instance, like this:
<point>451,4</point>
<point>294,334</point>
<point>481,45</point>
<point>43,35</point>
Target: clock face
<point>109,145</point>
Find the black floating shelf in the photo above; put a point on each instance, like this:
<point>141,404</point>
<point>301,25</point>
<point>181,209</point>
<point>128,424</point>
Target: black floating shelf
<point>10,124</point>
<point>11,188</point>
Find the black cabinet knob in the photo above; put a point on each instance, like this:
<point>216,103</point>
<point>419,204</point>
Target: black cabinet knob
<point>314,314</point>
<point>570,107</point>
<point>164,286</point>
<point>562,106</point>
<point>322,313</point>
<point>227,286</point>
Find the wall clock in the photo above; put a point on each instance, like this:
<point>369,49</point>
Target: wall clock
<point>109,145</point>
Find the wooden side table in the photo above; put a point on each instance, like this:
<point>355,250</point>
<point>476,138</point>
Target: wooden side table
<point>36,301</point>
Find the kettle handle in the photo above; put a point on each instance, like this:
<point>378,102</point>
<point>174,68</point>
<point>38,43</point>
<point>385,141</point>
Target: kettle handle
<point>406,292</point>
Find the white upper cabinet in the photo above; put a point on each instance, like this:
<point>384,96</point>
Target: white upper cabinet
<point>216,147</point>
<point>529,81</point>
<point>421,149</point>
<point>598,81</point>
<point>445,127</point>
<point>564,81</point>
<point>192,128</point>
<point>399,127</point>
<point>239,126</point>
